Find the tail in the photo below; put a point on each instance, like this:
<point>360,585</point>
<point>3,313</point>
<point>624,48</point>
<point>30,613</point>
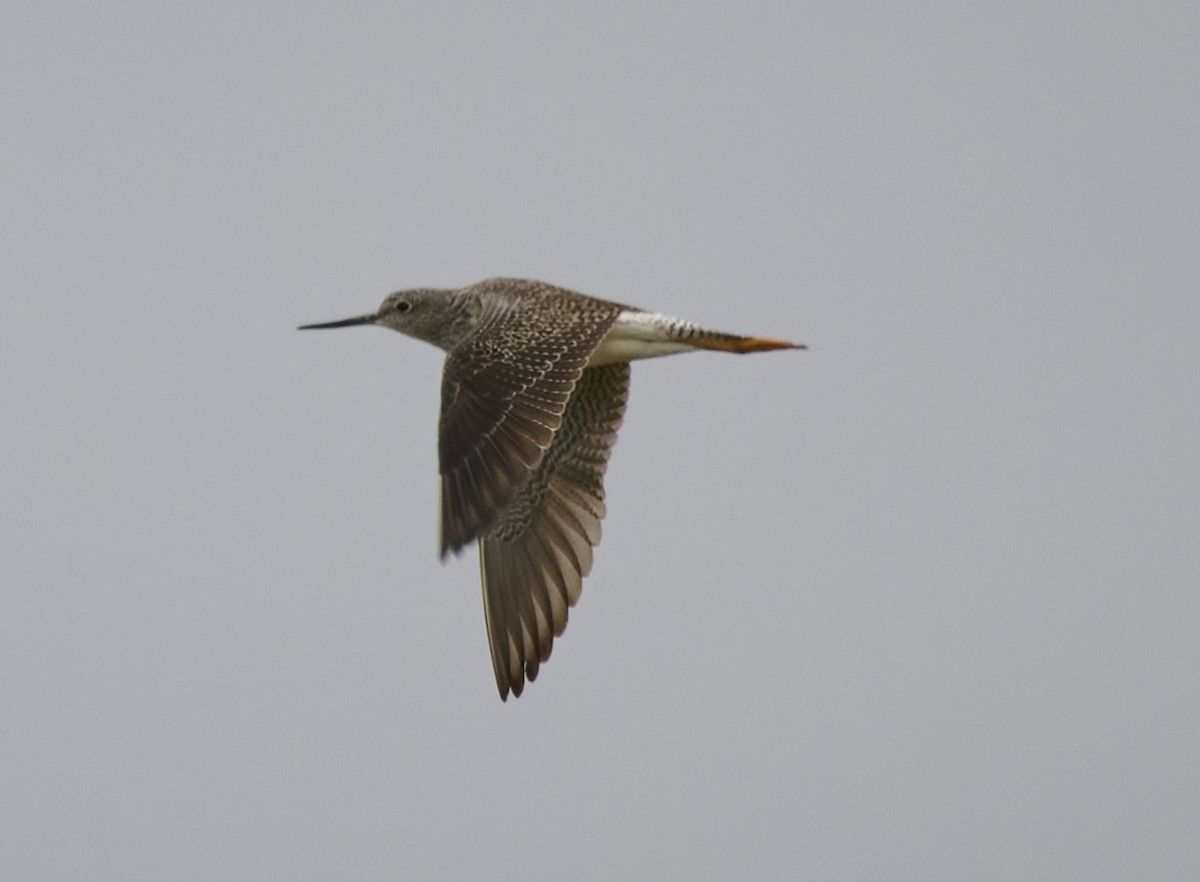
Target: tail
<point>740,345</point>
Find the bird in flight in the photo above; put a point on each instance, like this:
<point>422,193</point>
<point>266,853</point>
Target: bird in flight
<point>533,391</point>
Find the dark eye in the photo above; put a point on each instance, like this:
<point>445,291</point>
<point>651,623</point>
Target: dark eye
<point>403,306</point>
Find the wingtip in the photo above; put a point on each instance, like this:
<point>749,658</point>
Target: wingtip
<point>446,549</point>
<point>513,689</point>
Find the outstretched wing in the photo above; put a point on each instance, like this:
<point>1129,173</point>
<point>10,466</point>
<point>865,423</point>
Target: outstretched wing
<point>534,556</point>
<point>504,390</point>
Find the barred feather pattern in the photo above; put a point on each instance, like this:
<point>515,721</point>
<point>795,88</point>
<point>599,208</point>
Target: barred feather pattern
<point>505,388</point>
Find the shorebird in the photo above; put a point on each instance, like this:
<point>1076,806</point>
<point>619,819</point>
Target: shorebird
<point>533,391</point>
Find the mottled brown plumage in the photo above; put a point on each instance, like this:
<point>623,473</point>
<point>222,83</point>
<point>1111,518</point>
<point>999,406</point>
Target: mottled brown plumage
<point>533,392</point>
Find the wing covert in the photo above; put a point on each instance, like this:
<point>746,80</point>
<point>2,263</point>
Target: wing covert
<point>504,391</point>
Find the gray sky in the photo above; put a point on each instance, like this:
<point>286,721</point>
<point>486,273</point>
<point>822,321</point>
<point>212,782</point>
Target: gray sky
<point>919,603</point>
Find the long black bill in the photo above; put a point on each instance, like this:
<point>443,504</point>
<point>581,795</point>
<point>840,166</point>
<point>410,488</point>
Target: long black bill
<point>344,323</point>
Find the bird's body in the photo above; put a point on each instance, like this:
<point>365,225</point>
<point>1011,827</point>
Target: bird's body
<point>533,392</point>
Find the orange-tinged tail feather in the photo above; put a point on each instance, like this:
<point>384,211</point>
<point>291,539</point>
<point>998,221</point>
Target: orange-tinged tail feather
<point>741,345</point>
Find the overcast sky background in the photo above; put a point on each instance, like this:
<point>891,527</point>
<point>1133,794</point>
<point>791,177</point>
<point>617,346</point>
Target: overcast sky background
<point>918,603</point>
